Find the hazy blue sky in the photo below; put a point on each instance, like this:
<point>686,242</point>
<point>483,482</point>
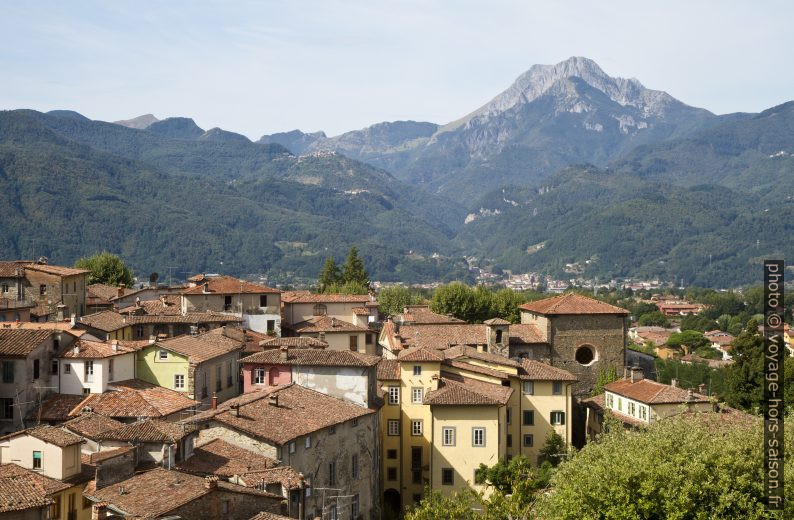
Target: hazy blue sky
<point>262,67</point>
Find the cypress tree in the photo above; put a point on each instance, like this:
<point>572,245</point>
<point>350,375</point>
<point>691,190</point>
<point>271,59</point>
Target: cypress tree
<point>353,270</point>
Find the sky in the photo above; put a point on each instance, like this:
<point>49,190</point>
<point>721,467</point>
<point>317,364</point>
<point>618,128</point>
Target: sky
<point>270,66</point>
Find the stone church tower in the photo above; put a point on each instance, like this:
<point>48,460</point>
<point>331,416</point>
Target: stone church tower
<point>584,335</point>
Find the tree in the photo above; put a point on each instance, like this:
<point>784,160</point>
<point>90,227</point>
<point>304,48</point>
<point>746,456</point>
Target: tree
<point>605,376</point>
<point>455,299</point>
<point>329,275</point>
<point>106,268</point>
<point>653,318</point>
<point>435,506</point>
<point>353,271</point>
<point>691,339</point>
<point>554,449</point>
<point>392,300</point>
<point>695,466</point>
<point>745,376</point>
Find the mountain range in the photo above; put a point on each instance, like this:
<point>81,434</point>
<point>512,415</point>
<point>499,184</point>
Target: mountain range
<point>567,171</point>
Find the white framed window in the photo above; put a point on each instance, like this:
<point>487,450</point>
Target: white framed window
<point>529,440</point>
<point>448,436</point>
<point>478,436</point>
<point>89,370</point>
<point>556,388</point>
<point>447,477</point>
<point>417,370</point>
<point>394,395</point>
<point>179,381</point>
<point>110,369</point>
<point>643,413</point>
<point>416,427</point>
<point>67,368</point>
<point>292,447</point>
<point>308,442</point>
<point>259,376</point>
<point>394,427</point>
<point>557,418</point>
<point>528,387</point>
<point>416,395</point>
<point>162,354</point>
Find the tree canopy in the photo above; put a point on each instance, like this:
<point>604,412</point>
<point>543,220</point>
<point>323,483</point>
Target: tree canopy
<point>106,268</point>
<point>392,300</point>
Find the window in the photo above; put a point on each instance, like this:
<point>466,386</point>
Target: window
<point>292,447</point>
<point>333,513</point>
<point>394,427</point>
<point>394,394</point>
<point>225,507</point>
<point>391,473</point>
<point>620,404</point>
<point>354,342</point>
<point>229,375</point>
<point>67,368</point>
<point>259,376</point>
<point>354,506</point>
<point>478,436</point>
<point>529,418</point>
<point>55,507</point>
<point>416,395</point>
<point>528,387</point>
<point>36,460</point>
<point>42,290</point>
<point>529,440</point>
<point>631,408</point>
<point>227,303</point>
<point>447,477</point>
<point>308,481</point>
<point>498,336</point>
<point>509,415</point>
<point>6,408</point>
<point>110,369</point>
<point>320,310</point>
<point>204,378</point>
<point>369,338</point>
<point>417,370</point>
<point>8,371</point>
<point>644,413</point>
<point>218,377</point>
<point>5,287</point>
<point>416,427</point>
<point>89,371</point>
<point>307,443</point>
<point>416,476</point>
<point>139,331</point>
<point>584,355</point>
<point>556,388</point>
<point>416,457</point>
<point>509,441</point>
<point>448,436</point>
<point>332,473</point>
<point>36,369</point>
<point>557,418</point>
<point>263,300</point>
<point>391,454</point>
<point>610,400</point>
<point>354,466</point>
<point>162,354</point>
<point>179,381</point>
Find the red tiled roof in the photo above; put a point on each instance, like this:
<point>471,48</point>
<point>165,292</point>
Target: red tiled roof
<point>464,351</point>
<point>421,314</point>
<point>19,343</point>
<point>533,370</point>
<point>228,285</point>
<point>135,398</point>
<point>496,321</point>
<point>460,365</point>
<point>56,407</point>
<point>571,303</point>
<point>651,392</point>
<point>55,269</point>
<point>440,336</point>
<point>201,347</point>
<point>313,356</point>
<point>300,411</point>
<point>87,349</point>
<point>166,305</point>
<point>525,333</point>
<point>221,458</point>
<point>420,354</point>
<point>99,456</point>
<point>388,370</point>
<point>296,342</point>
<point>91,425</point>
<point>326,324</point>
<point>456,390</point>
<point>50,434</point>
<point>22,489</point>
<point>308,297</point>
<point>12,268</point>
<point>148,430</point>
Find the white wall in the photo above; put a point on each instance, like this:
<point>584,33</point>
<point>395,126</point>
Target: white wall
<point>74,382</point>
<point>258,322</point>
<point>350,384</point>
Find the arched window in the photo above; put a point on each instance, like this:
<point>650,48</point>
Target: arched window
<point>585,355</point>
<point>320,309</point>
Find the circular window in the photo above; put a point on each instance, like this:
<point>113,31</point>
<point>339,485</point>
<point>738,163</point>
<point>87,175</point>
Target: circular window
<point>585,355</point>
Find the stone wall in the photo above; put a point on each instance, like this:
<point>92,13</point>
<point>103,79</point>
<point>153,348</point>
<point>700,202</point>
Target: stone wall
<point>240,506</point>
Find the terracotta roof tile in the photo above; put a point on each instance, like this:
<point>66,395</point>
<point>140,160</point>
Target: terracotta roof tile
<point>224,459</point>
<point>308,297</point>
<point>202,347</point>
<point>148,430</point>
<point>533,370</point>
<point>525,333</point>
<point>496,321</point>
<point>389,370</point>
<point>57,270</point>
<point>12,268</point>
<point>264,515</point>
<point>50,434</point>
<point>91,425</point>
<point>109,321</point>
<point>166,305</point>
<point>99,456</point>
<point>440,336</point>
<point>421,314</point>
<point>296,342</point>
<point>456,390</point>
<point>571,303</point>
<point>651,392</point>
<point>460,365</point>
<point>326,324</point>
<point>313,356</point>
<point>88,349</point>
<point>56,408</point>
<point>21,342</point>
<point>228,285</point>
<point>420,354</point>
<point>135,398</point>
<point>464,351</point>
<point>22,489</point>
<point>299,411</point>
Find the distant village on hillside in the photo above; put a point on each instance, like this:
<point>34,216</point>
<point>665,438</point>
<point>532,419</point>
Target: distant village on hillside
<point>230,398</point>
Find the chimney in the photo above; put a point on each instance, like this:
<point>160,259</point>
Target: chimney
<point>120,290</point>
<point>283,353</point>
<point>321,336</point>
<point>434,381</point>
<point>273,400</point>
<point>702,388</point>
<point>214,401</point>
<point>333,322</point>
<point>637,374</point>
<point>235,408</point>
<point>162,299</point>
<point>137,301</point>
<point>114,344</point>
<point>211,482</point>
<point>690,395</point>
<point>206,288</point>
<point>61,308</point>
<point>99,511</point>
<point>73,320</point>
<point>674,383</point>
<point>76,350</point>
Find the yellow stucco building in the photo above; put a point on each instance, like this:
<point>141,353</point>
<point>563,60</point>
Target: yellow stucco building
<point>447,411</point>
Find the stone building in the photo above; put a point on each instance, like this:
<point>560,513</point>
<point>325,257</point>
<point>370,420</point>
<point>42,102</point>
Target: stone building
<point>57,292</point>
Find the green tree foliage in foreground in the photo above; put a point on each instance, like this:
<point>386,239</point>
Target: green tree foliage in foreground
<point>353,271</point>
<point>106,268</point>
<point>692,339</point>
<point>698,467</point>
<point>329,276</point>
<point>392,300</point>
<point>477,304</point>
<point>653,318</point>
<point>352,279</point>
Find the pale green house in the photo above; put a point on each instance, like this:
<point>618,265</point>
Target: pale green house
<point>201,366</point>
